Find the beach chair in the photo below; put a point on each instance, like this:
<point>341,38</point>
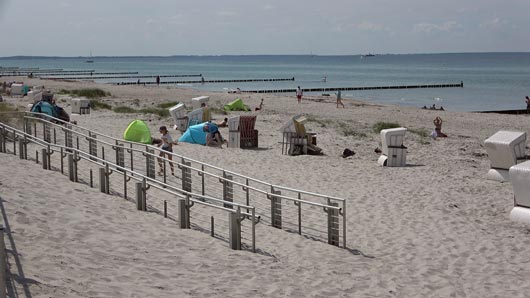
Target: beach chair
<point>241,132</point>
<point>519,176</point>
<point>178,113</point>
<point>206,114</point>
<point>505,149</point>
<point>296,140</point>
<point>197,101</point>
<point>17,89</point>
<point>80,106</point>
<point>195,117</point>
<point>35,96</point>
<point>393,154</point>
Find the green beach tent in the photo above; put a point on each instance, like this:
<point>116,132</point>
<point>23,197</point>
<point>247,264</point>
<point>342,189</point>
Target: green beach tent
<point>137,131</point>
<point>236,105</point>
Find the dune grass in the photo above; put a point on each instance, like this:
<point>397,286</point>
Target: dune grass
<point>384,125</point>
<point>98,104</point>
<point>86,92</point>
<point>167,105</point>
<point>8,115</point>
<point>129,110</point>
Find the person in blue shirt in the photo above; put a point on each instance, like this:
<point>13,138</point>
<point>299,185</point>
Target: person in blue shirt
<point>214,136</point>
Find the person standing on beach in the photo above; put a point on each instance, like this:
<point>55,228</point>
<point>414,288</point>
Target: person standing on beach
<point>299,94</point>
<point>158,80</point>
<point>527,103</point>
<point>166,150</point>
<point>339,99</point>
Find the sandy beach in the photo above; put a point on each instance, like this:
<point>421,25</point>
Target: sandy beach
<point>436,228</point>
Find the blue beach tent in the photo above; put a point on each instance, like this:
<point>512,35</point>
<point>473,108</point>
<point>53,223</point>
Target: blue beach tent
<point>44,107</point>
<point>194,135</point>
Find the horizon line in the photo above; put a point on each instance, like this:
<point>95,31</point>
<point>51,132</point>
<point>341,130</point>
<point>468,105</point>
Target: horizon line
<point>253,55</point>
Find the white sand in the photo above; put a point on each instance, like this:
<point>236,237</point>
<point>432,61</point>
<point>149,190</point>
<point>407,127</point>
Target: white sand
<point>434,229</point>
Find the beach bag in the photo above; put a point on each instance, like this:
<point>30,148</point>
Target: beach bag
<point>347,153</point>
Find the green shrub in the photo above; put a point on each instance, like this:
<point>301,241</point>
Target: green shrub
<point>98,104</point>
<point>384,125</point>
<point>123,109</point>
<point>129,110</point>
<point>419,131</point>
<point>159,112</point>
<point>86,92</point>
<point>9,115</point>
<point>167,105</point>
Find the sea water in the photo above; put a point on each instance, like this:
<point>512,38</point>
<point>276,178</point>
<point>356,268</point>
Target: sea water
<point>492,81</point>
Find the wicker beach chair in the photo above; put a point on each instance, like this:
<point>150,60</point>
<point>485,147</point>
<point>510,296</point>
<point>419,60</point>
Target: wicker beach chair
<point>241,132</point>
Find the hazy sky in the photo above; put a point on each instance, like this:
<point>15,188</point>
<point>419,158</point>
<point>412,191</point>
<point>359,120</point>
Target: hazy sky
<point>173,27</point>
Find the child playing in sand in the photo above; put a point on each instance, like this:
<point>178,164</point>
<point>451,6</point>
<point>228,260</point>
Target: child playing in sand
<point>260,107</point>
<point>167,147</point>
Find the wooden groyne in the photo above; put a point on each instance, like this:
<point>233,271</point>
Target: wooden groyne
<point>508,112</point>
<point>207,81</point>
<point>119,77</point>
<point>460,85</point>
<point>79,73</point>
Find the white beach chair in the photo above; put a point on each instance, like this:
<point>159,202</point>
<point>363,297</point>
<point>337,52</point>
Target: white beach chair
<point>504,149</point>
<point>17,89</point>
<point>234,135</point>
<point>35,96</point>
<point>197,101</point>
<point>195,117</point>
<point>394,154</point>
<point>80,106</point>
<point>178,113</point>
<point>520,178</point>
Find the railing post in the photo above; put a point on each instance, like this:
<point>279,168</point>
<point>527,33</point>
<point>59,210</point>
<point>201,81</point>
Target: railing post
<point>150,163</point>
<point>140,196</point>
<point>68,142</point>
<point>44,159</point>
<point>46,132</point>
<point>92,145</point>
<point>276,209</point>
<point>186,175</point>
<point>71,167</point>
<point>120,155</point>
<point>184,215</point>
<point>344,224</point>
<point>228,190</point>
<point>202,179</point>
<point>102,180</point>
<point>21,149</point>
<point>234,235</point>
<point>333,224</point>
<point>2,140</point>
<point>3,264</point>
<point>299,205</point>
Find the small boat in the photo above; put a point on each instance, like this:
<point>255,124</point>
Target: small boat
<point>90,59</point>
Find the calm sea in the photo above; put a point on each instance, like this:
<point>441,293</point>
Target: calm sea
<point>492,81</point>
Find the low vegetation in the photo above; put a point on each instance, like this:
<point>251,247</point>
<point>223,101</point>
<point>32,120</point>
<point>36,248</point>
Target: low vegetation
<point>9,116</point>
<point>129,110</point>
<point>86,92</point>
<point>422,132</point>
<point>384,125</point>
<point>322,122</point>
<point>167,105</point>
<point>348,130</point>
<point>98,104</point>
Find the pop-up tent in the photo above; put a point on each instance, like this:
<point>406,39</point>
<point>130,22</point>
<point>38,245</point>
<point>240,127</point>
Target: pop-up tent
<point>236,105</point>
<point>44,107</point>
<point>194,135</point>
<point>138,131</point>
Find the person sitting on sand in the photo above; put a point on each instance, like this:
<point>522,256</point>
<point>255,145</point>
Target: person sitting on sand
<point>214,136</point>
<point>223,123</point>
<point>260,107</point>
<point>438,127</point>
<point>167,147</point>
<point>433,107</point>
